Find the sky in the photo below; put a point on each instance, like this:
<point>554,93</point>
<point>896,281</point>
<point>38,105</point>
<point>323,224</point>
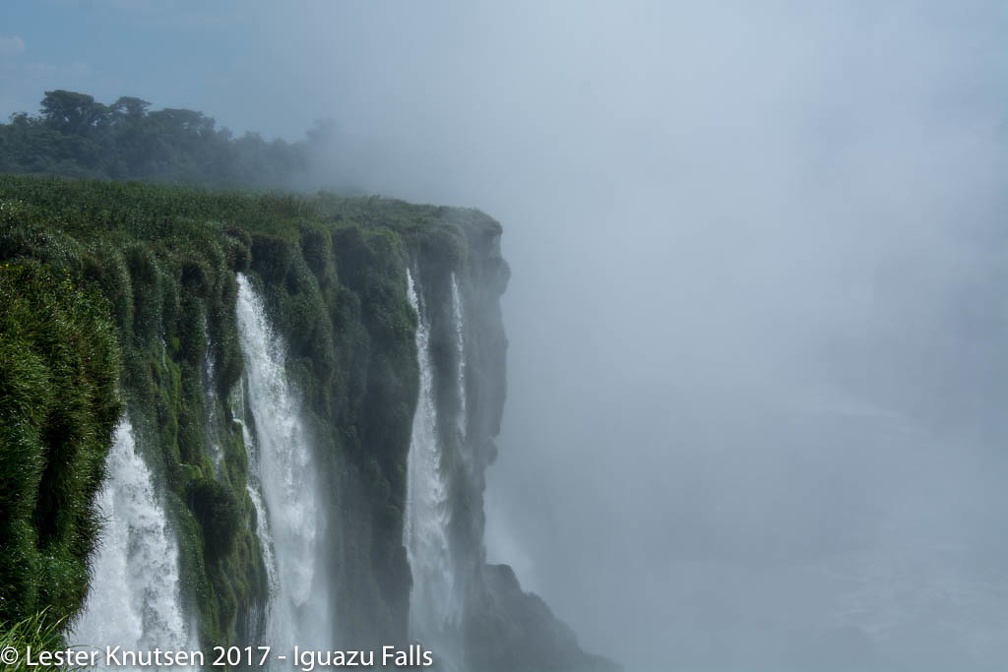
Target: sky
<point>756,316</point>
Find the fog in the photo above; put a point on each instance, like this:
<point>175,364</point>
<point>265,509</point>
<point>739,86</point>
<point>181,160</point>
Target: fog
<point>756,366</point>
<point>757,369</point>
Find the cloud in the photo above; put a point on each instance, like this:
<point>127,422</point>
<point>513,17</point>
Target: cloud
<point>12,46</point>
<point>40,72</point>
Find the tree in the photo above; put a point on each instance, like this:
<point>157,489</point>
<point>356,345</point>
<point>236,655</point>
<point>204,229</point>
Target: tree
<point>71,112</point>
<point>129,108</point>
<point>74,135</point>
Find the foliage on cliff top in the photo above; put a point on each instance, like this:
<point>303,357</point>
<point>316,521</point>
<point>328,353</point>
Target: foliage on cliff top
<point>59,363</point>
<point>163,261</point>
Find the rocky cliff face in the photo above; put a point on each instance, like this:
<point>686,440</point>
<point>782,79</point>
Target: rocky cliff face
<point>314,386</point>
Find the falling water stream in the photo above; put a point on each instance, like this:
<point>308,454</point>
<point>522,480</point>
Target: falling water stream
<point>284,486</point>
<point>435,606</point>
<point>134,600</point>
<point>460,354</point>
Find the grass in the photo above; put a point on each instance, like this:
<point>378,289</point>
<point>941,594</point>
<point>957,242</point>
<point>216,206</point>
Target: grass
<point>41,632</point>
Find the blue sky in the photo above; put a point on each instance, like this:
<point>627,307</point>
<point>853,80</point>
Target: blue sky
<point>270,67</point>
<point>277,67</point>
<point>179,54</point>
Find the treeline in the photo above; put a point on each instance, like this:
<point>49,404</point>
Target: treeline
<point>74,135</point>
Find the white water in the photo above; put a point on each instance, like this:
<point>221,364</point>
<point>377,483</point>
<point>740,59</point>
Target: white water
<point>283,470</point>
<point>210,397</point>
<point>254,489</point>
<point>460,353</point>
<point>134,596</point>
<point>434,603</point>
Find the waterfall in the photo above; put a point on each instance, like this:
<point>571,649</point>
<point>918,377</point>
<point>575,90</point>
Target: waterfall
<point>254,488</point>
<point>460,354</point>
<point>134,595</point>
<point>434,603</point>
<point>283,485</point>
<point>209,394</point>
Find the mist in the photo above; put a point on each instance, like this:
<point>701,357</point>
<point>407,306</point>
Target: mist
<point>756,373</point>
<point>756,370</point>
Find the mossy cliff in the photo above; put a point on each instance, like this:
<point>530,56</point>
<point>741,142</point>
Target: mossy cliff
<point>121,297</point>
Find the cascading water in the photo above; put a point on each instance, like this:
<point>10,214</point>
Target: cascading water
<point>216,452</point>
<point>435,607</point>
<point>134,597</point>
<point>460,353</point>
<point>255,489</point>
<point>283,486</point>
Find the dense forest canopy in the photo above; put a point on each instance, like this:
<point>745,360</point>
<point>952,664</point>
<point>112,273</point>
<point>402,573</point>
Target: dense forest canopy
<point>74,135</point>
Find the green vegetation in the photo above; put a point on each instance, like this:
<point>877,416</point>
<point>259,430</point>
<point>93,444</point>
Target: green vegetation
<point>109,286</point>
<point>120,297</point>
<point>76,136</point>
<point>40,631</point>
<point>59,363</point>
